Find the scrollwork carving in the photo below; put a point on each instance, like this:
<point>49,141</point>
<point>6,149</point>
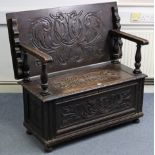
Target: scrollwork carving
<point>68,37</point>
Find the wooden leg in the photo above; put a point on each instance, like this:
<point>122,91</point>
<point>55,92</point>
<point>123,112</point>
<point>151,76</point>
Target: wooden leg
<point>48,149</point>
<point>28,132</point>
<point>136,120</point>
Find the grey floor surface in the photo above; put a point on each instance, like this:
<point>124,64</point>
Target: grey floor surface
<point>129,139</point>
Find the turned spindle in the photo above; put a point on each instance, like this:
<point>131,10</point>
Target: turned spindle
<point>26,72</point>
<point>44,79</point>
<point>137,60</point>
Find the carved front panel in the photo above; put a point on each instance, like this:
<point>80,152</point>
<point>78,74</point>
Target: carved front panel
<point>95,106</point>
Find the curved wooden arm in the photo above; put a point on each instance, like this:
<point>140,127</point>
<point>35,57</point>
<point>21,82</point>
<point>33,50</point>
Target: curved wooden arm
<point>138,40</point>
<point>37,53</point>
<point>130,37</point>
<point>45,58</point>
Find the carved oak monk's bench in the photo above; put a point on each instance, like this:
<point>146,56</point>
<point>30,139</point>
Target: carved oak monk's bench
<point>68,60</point>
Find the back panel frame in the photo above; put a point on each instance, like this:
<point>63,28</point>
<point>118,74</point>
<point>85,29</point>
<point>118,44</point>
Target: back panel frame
<point>74,36</point>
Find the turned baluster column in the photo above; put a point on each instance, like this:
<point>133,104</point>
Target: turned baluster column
<point>26,72</point>
<point>44,79</point>
<point>138,60</point>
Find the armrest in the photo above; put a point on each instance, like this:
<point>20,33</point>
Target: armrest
<point>37,53</point>
<point>130,37</point>
<point>45,58</point>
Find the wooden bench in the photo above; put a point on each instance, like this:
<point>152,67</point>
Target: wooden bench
<point>67,61</point>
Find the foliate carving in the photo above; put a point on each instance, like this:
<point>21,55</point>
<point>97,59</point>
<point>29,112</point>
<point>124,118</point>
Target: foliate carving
<point>68,37</point>
<point>93,77</point>
<point>17,49</point>
<point>117,42</point>
<point>93,107</point>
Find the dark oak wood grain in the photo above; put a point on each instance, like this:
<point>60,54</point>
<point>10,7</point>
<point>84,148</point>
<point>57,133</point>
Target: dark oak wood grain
<point>44,79</point>
<point>26,72</point>
<point>116,41</point>
<point>37,53</point>
<point>138,60</point>
<point>73,36</point>
<point>67,61</point>
<point>138,40</point>
<point>130,37</point>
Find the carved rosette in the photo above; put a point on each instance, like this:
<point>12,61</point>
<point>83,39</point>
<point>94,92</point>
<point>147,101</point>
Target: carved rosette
<point>68,37</point>
<point>117,42</point>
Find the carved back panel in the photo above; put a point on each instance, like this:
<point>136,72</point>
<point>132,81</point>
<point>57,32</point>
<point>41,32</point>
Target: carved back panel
<point>74,36</point>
